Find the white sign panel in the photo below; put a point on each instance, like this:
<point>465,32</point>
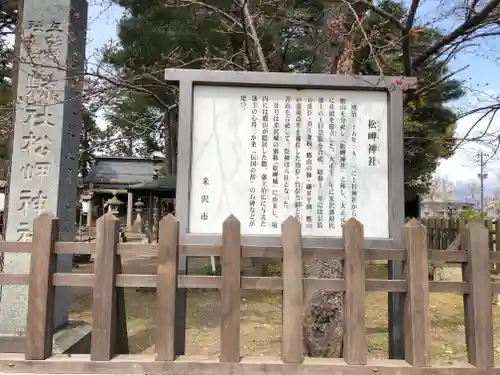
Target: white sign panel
<point>263,154</point>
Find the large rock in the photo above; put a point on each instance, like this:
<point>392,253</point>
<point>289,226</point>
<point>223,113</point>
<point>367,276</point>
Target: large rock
<point>323,315</point>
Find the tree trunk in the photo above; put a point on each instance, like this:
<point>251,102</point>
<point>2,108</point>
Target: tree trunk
<point>323,318</point>
<point>171,125</point>
<point>166,148</point>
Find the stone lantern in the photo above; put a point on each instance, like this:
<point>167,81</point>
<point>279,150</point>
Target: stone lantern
<point>139,207</point>
<point>114,205</point>
<point>87,208</point>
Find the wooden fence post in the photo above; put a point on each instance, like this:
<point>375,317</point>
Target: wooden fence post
<point>477,304</point>
<point>40,322</point>
<point>488,223</point>
<point>104,312</point>
<point>354,295</point>
<point>433,233</point>
<point>417,318</point>
<point>230,291</point>
<point>496,245</point>
<point>293,292</point>
<point>166,288</point>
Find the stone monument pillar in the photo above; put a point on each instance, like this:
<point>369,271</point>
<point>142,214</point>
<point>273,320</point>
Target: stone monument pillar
<point>46,139</point>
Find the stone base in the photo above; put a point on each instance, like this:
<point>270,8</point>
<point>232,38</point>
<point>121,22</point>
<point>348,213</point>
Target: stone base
<point>74,338</point>
<point>137,226</point>
<point>134,237</point>
<point>12,344</point>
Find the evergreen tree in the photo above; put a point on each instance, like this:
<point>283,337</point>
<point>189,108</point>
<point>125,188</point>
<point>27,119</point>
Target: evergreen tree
<point>91,141</point>
<point>156,34</point>
<point>8,19</point>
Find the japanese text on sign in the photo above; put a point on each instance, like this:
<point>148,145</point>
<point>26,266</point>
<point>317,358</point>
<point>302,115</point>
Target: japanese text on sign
<point>319,155</point>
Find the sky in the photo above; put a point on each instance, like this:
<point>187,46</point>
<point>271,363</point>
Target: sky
<point>477,74</point>
<point>102,24</point>
<point>464,165</point>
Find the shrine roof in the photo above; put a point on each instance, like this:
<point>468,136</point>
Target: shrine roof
<point>165,184</point>
<point>121,170</point>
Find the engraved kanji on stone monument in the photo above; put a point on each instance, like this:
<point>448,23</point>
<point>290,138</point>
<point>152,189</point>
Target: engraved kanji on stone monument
<point>48,106</point>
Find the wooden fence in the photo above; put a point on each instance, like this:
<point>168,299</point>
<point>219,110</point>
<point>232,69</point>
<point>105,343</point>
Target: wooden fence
<point>441,232</point>
<point>108,319</point>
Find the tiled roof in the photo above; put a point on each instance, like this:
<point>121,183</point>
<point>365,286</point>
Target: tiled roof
<point>167,183</point>
<point>121,171</point>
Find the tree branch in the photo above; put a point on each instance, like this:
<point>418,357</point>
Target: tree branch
<point>255,36</point>
<point>406,45</point>
<point>382,13</point>
<point>458,32</point>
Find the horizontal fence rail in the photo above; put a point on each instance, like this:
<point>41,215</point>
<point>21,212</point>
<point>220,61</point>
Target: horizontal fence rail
<point>109,332</point>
